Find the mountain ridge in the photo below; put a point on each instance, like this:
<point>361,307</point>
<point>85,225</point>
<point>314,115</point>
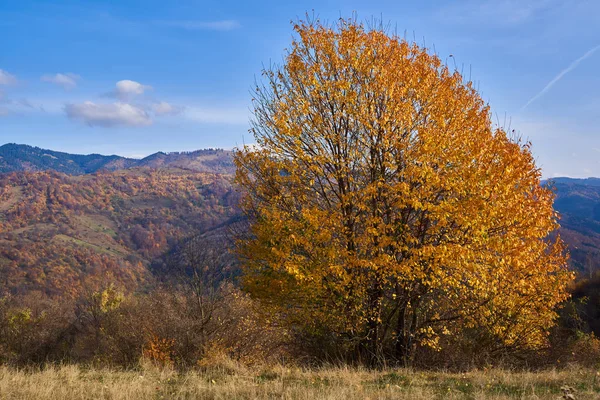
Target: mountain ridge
<point>20,157</point>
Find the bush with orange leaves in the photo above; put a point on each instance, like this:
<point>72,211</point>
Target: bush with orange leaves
<point>159,351</point>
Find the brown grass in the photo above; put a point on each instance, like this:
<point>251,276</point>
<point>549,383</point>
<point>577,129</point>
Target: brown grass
<point>231,381</point>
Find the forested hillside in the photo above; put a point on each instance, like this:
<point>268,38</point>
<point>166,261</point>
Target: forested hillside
<point>64,228</point>
<point>60,233</point>
<point>578,202</point>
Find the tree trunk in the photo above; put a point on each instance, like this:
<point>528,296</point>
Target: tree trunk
<point>373,350</point>
<point>405,345</point>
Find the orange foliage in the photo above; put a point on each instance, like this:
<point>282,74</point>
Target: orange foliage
<point>159,350</point>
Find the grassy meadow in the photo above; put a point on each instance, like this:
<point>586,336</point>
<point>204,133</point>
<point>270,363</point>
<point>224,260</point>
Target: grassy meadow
<point>237,382</point>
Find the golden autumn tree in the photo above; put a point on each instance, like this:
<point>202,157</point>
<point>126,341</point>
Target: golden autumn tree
<point>386,210</point>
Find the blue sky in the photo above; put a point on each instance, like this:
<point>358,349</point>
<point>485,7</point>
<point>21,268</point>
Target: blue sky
<point>133,77</point>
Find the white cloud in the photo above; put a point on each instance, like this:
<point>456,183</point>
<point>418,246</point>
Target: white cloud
<point>136,156</point>
<point>164,108</point>
<point>6,78</point>
<point>130,110</point>
<point>4,112</point>
<point>223,25</point>
<point>126,89</point>
<point>131,87</point>
<point>135,108</point>
<point>108,115</point>
<point>67,81</point>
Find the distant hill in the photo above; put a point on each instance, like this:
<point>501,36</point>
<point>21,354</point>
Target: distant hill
<point>577,181</point>
<point>19,157</point>
<point>578,202</point>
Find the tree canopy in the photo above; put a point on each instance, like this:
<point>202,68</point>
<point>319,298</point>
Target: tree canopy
<point>386,210</point>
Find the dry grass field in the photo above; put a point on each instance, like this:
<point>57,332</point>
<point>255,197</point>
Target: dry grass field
<point>235,382</point>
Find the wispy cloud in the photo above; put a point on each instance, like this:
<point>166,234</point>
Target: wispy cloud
<point>19,106</point>
<point>68,81</point>
<point>10,106</point>
<point>562,73</point>
<point>6,78</point>
<point>223,25</point>
<point>164,108</point>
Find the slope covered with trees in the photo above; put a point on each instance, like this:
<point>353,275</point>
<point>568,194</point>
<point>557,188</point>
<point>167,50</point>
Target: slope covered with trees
<point>60,233</point>
<point>578,203</point>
